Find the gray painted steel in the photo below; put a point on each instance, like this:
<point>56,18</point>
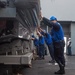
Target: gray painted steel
<point>25,14</point>
<point>8,12</point>
<point>73,38</point>
<point>16,59</point>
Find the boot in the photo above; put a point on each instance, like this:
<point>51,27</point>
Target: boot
<point>52,61</point>
<point>61,71</point>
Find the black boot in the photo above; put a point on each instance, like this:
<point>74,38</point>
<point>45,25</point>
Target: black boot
<point>52,61</point>
<point>61,71</point>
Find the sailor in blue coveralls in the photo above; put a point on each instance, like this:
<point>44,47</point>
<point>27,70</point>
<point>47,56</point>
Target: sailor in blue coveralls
<point>58,42</point>
<point>48,40</point>
<point>41,45</point>
<point>36,43</point>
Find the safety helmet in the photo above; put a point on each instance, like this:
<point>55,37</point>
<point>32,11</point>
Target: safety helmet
<point>52,18</point>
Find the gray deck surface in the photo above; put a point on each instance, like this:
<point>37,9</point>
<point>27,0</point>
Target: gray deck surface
<point>42,67</point>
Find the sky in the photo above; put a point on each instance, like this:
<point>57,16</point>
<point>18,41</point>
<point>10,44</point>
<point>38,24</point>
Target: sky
<point>63,9</point>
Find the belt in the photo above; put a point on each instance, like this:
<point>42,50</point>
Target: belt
<point>59,41</point>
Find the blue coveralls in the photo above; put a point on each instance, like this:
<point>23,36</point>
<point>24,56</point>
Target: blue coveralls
<point>36,43</point>
<point>41,47</point>
<point>48,40</point>
<point>58,41</point>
